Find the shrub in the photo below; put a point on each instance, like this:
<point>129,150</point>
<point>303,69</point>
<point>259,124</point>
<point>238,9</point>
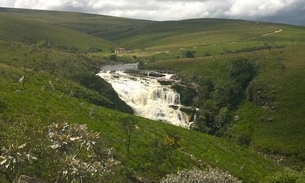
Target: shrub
<point>162,152</point>
<point>128,125</point>
<point>286,176</point>
<point>211,175</point>
<point>189,54</point>
<point>13,158</point>
<point>77,151</point>
<point>69,153</point>
<point>241,72</point>
<point>113,57</point>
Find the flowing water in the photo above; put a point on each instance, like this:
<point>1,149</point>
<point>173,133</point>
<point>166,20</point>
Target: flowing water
<point>146,96</point>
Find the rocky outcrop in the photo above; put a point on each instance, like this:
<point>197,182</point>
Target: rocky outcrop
<point>262,95</point>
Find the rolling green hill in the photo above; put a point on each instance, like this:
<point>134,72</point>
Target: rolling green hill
<point>247,79</point>
<point>270,119</point>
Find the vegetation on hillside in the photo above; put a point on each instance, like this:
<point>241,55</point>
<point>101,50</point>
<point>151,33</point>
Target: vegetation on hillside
<point>57,116</point>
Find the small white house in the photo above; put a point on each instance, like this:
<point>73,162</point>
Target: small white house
<point>122,50</point>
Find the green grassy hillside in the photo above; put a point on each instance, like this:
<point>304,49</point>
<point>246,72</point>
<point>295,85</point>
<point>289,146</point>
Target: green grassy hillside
<point>27,109</point>
<point>60,29</point>
<point>245,77</point>
<point>271,107</point>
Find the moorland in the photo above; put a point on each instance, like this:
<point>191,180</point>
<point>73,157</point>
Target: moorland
<point>61,123</point>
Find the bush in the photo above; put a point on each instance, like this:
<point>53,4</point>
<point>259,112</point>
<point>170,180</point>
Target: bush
<point>113,57</point>
<point>69,153</point>
<point>286,176</point>
<point>163,152</point>
<point>94,50</point>
<point>187,93</point>
<point>78,152</point>
<point>211,175</point>
<point>189,54</point>
<point>241,72</point>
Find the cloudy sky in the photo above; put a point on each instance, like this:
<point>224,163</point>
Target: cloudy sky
<point>281,11</point>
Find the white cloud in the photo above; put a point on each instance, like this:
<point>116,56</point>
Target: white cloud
<point>257,8</point>
<point>175,9</point>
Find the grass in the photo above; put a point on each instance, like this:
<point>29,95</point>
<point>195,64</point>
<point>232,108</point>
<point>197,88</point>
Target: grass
<point>35,31</point>
<point>282,71</point>
<point>32,44</point>
<point>37,105</point>
<point>199,33</point>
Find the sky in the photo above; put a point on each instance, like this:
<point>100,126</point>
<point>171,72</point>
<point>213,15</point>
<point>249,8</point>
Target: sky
<point>279,11</point>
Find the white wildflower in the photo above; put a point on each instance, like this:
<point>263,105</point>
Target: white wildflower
<point>211,175</point>
<point>3,161</point>
<point>22,146</point>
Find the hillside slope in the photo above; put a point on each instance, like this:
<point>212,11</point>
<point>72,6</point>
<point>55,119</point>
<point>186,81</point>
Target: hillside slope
<point>63,29</point>
<point>48,65</point>
<point>25,110</point>
<point>270,107</point>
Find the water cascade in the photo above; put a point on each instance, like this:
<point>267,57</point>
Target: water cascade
<point>147,97</point>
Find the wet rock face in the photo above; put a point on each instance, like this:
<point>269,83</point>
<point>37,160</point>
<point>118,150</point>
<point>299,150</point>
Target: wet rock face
<point>262,95</point>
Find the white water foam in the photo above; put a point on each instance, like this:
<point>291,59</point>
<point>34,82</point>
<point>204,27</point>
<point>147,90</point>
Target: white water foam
<point>147,97</point>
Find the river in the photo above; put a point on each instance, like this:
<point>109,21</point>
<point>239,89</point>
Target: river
<point>145,95</point>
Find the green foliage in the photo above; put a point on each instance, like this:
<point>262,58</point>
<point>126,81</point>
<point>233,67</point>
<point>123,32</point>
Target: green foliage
<point>206,88</point>
<point>69,153</point>
<point>13,159</point>
<point>223,117</point>
<point>61,65</point>
<point>223,95</point>
<point>94,50</point>
<point>162,152</point>
<point>226,94</point>
<point>241,72</point>
<point>207,54</point>
<point>128,125</point>
<point>187,93</point>
<point>78,153</point>
<point>51,50</point>
<point>275,91</point>
<point>28,107</point>
<point>262,95</point>
<point>113,57</point>
<point>212,94</point>
<point>172,140</point>
<point>287,176</point>
<point>189,54</point>
<point>95,83</point>
<point>141,65</point>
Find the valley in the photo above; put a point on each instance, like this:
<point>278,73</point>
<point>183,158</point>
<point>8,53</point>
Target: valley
<point>59,109</point>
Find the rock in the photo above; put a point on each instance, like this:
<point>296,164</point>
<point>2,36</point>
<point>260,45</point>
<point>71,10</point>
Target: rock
<point>27,179</point>
<point>270,119</point>
<point>155,74</point>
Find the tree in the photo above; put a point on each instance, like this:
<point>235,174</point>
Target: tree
<point>241,72</point>
<point>128,125</point>
<point>222,118</point>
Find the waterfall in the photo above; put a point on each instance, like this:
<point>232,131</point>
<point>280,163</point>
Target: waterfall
<point>147,97</point>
